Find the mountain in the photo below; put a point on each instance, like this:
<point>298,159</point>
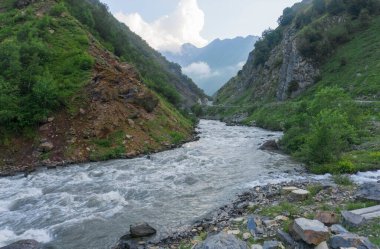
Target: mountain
<point>76,85</point>
<point>316,78</point>
<point>211,66</point>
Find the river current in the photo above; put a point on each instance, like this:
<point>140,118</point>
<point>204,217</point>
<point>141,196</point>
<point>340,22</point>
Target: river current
<point>92,205</point>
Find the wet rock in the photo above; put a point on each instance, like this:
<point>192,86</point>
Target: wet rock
<point>311,231</point>
<point>299,194</point>
<point>347,240</point>
<point>286,238</point>
<point>142,230</point>
<point>269,145</point>
<point>338,229</point>
<point>222,241</point>
<point>352,219</point>
<point>327,218</point>
<point>24,244</point>
<point>370,191</point>
<point>273,245</point>
<point>46,147</point>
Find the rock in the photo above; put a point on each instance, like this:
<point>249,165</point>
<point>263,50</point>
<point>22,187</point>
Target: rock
<point>287,190</point>
<point>311,231</point>
<point>147,100</point>
<point>269,223</point>
<point>285,238</point>
<point>322,245</point>
<point>269,145</point>
<point>238,220</point>
<point>281,218</point>
<point>350,240</point>
<point>327,218</point>
<point>24,244</point>
<point>246,236</point>
<point>129,137</point>
<point>369,191</point>
<point>352,219</point>
<point>338,229</point>
<point>234,232</point>
<point>222,241</point>
<point>46,147</point>
<point>251,225</point>
<point>299,194</point>
<point>273,245</point>
<point>82,111</point>
<point>256,246</point>
<point>51,119</point>
<point>131,123</point>
<point>142,230</point>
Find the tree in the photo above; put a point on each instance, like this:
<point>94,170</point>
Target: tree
<point>319,6</point>
<point>335,7</point>
<point>287,17</point>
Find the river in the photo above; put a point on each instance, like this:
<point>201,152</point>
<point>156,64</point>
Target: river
<point>92,205</point>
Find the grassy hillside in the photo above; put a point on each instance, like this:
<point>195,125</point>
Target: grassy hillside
<point>64,98</point>
<point>333,123</point>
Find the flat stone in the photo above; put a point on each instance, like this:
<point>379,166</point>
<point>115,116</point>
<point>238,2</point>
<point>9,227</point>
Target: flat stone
<point>222,241</point>
<point>256,246</point>
<point>142,230</point>
<point>281,218</point>
<point>286,238</point>
<point>369,191</point>
<point>347,240</point>
<point>289,189</point>
<point>24,244</point>
<point>300,194</point>
<point>234,232</point>
<point>327,218</point>
<point>368,213</point>
<point>352,219</point>
<point>273,244</point>
<point>338,229</point>
<point>311,231</point>
<point>270,223</point>
<point>322,245</point>
<point>237,220</point>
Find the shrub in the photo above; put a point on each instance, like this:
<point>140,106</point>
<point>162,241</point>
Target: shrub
<point>335,7</point>
<point>287,17</point>
<point>57,9</point>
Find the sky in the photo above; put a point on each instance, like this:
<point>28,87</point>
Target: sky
<point>167,24</point>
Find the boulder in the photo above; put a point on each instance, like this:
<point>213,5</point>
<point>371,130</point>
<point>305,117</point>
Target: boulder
<point>370,191</point>
<point>147,100</point>
<point>322,245</point>
<point>327,218</point>
<point>24,244</point>
<point>338,229</point>
<point>299,194</point>
<point>269,145</point>
<point>222,241</point>
<point>142,230</point>
<point>273,245</point>
<point>311,231</point>
<point>286,238</point>
<point>347,240</point>
<point>46,147</point>
<point>352,219</point>
<point>288,189</point>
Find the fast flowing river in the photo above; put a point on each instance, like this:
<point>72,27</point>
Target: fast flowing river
<point>92,205</point>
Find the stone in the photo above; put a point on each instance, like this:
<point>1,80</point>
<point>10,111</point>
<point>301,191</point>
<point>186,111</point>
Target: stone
<point>273,244</point>
<point>46,147</point>
<point>350,240</point>
<point>246,236</point>
<point>299,194</point>
<point>281,218</point>
<point>129,137</point>
<point>24,244</point>
<point>270,223</point>
<point>269,145</point>
<point>142,230</point>
<point>234,232</point>
<point>82,111</point>
<point>352,219</point>
<point>311,231</point>
<point>288,190</point>
<point>327,218</point>
<point>322,245</point>
<point>251,225</point>
<point>256,246</point>
<point>369,191</point>
<point>221,241</point>
<point>286,238</point>
<point>51,119</point>
<point>238,220</point>
<point>338,229</point>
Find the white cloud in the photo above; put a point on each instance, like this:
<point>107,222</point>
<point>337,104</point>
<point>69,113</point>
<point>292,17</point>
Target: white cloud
<point>169,32</point>
<point>199,70</point>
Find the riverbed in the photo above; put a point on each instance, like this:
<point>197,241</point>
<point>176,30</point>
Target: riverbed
<point>92,205</point>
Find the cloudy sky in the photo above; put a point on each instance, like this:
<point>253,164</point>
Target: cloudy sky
<point>167,24</point>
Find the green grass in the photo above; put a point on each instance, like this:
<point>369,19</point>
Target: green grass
<point>279,209</point>
<point>343,180</point>
<point>370,230</point>
<point>107,148</point>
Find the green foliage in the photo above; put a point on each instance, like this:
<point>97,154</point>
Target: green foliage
<point>343,180</point>
<point>287,17</point>
<point>270,39</point>
<point>197,110</point>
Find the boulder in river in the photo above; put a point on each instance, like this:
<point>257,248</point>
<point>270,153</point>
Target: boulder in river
<point>222,241</point>
<point>311,231</point>
<point>24,244</point>
<point>269,145</point>
<point>348,240</point>
<point>370,191</point>
<point>142,230</point>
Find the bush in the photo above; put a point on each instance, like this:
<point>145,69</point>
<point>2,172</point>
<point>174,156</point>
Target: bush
<point>287,17</point>
<point>335,7</point>
<point>57,9</point>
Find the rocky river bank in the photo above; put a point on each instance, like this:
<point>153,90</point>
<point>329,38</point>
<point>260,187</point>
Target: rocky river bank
<point>308,214</point>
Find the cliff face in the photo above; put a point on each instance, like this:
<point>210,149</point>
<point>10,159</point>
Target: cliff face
<point>111,114</point>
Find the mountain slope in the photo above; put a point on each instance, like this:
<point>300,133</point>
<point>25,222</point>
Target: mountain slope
<point>316,78</point>
<point>223,57</point>
<point>66,99</point>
